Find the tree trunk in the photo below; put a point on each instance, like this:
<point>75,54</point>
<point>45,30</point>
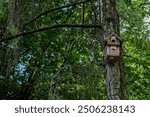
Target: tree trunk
<point>114,73</point>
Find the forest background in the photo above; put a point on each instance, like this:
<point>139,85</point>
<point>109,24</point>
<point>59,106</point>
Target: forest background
<point>51,49</point>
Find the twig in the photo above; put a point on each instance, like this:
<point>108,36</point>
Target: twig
<point>55,9</point>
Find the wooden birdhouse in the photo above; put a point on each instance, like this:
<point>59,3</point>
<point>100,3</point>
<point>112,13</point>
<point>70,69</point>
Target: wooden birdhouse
<point>112,48</point>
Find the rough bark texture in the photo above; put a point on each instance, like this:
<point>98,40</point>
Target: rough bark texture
<point>114,72</point>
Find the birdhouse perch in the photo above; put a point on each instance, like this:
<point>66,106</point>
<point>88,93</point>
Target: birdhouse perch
<point>112,48</point>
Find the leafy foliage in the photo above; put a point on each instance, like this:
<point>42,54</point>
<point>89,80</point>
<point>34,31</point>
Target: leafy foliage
<point>135,34</point>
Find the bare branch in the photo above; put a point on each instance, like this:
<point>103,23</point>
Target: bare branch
<point>49,28</point>
<point>55,9</point>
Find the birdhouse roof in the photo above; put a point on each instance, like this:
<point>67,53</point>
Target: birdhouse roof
<point>113,34</point>
<point>111,42</point>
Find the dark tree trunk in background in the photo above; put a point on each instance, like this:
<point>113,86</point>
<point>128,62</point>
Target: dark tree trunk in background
<point>114,73</point>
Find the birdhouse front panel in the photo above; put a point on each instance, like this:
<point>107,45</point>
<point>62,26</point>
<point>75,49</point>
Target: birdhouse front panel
<point>112,53</point>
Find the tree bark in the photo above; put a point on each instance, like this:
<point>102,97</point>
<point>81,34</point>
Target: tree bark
<point>114,72</point>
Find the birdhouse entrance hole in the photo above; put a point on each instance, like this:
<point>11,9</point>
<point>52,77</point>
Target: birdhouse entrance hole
<point>113,39</point>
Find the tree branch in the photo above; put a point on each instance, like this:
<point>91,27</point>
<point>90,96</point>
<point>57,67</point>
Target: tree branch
<point>55,9</point>
<point>49,28</point>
